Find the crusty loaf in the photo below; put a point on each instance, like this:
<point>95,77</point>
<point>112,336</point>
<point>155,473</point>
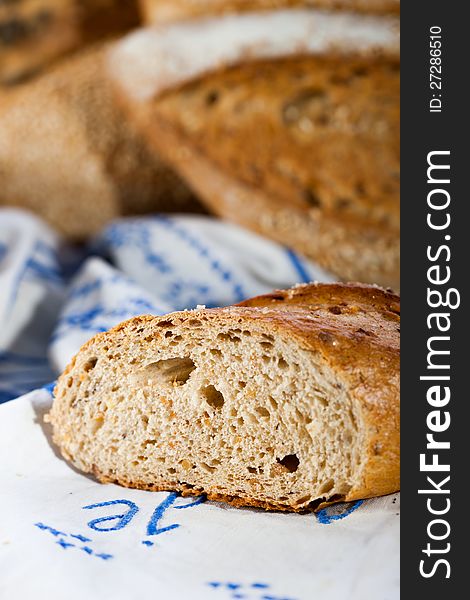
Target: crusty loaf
<point>287,401</point>
<point>166,11</point>
<point>302,148</point>
<point>67,153</point>
<point>33,32</point>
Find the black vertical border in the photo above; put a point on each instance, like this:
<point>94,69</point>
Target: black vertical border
<point>422,132</point>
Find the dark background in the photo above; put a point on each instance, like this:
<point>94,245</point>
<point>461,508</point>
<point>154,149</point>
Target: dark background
<point>422,132</point>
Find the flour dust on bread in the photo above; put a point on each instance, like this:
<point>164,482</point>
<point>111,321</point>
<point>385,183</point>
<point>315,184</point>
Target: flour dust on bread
<point>287,401</point>
<point>285,121</point>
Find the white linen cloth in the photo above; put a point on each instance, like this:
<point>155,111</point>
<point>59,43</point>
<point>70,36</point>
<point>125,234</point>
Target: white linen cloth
<point>62,534</point>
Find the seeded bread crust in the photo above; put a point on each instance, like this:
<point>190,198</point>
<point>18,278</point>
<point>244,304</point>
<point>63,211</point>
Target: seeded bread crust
<point>35,32</point>
<point>168,11</point>
<point>82,164</point>
<point>351,330</point>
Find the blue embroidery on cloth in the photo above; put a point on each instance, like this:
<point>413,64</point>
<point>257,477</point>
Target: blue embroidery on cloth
<point>223,272</point>
<point>64,541</point>
<point>299,266</point>
<point>121,519</point>
<point>337,512</point>
<point>250,591</point>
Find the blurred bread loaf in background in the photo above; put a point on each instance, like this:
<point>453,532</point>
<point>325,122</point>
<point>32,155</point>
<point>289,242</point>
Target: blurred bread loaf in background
<point>284,120</point>
<point>34,32</point>
<point>68,153</point>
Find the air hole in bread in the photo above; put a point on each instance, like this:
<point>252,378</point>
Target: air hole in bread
<point>171,370</point>
<point>215,352</point>
<point>290,462</point>
<point>195,323</point>
<point>164,323</point>
<point>273,403</point>
<point>303,500</point>
<point>213,397</point>
<point>97,423</point>
<point>282,363</point>
<point>150,442</point>
<point>263,412</point>
<point>251,418</point>
<point>90,364</point>
<point>266,345</point>
<point>335,310</point>
<point>228,337</point>
<point>207,467</point>
<point>327,486</point>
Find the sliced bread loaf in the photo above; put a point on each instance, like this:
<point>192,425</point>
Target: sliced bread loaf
<point>286,401</point>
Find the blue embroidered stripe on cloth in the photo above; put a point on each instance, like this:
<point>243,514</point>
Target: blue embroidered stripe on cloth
<point>62,534</point>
